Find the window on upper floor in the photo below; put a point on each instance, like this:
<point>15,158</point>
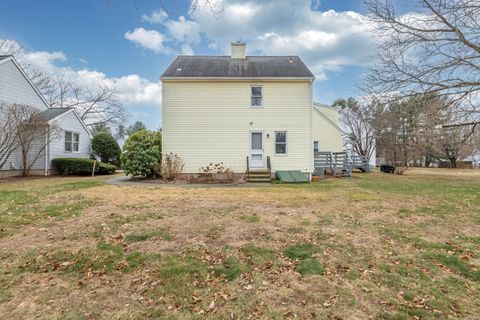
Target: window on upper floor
<point>256,96</point>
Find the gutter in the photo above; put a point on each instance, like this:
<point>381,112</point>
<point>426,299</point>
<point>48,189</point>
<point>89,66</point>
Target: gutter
<point>236,78</point>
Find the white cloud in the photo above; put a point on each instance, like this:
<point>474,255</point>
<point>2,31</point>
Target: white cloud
<point>149,39</point>
<point>158,16</point>
<point>134,92</point>
<point>326,40</point>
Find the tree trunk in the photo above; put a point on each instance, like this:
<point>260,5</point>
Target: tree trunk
<point>453,162</point>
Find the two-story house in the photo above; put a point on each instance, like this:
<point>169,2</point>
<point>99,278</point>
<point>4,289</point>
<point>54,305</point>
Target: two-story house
<point>249,112</point>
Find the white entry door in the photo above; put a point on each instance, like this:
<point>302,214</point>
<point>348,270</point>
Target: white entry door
<point>256,149</point>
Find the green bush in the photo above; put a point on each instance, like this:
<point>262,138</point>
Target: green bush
<point>105,147</point>
<point>141,153</point>
<point>81,167</point>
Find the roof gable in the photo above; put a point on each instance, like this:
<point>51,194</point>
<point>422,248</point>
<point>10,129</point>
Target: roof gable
<point>5,59</point>
<point>225,67</point>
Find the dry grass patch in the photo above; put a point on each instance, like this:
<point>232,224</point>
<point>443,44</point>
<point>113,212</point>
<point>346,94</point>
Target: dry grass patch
<point>377,245</point>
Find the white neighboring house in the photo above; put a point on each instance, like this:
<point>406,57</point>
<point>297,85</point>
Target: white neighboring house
<point>74,139</point>
<point>474,158</point>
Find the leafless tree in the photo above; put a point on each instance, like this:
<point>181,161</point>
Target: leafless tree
<point>94,106</point>
<point>357,122</point>
<point>8,137</point>
<point>435,49</point>
<point>33,134</point>
<point>453,144</point>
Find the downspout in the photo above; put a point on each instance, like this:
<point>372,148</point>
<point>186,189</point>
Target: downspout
<point>310,152</point>
<point>47,150</point>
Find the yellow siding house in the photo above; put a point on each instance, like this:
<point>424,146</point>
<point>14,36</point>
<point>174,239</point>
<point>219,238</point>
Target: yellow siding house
<point>230,108</point>
<point>327,134</point>
<point>248,112</point>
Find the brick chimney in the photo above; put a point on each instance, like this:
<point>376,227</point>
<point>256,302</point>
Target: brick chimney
<point>238,50</point>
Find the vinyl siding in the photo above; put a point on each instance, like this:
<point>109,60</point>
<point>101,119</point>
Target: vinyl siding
<point>14,88</point>
<point>69,122</point>
<point>328,136</point>
<point>208,121</point>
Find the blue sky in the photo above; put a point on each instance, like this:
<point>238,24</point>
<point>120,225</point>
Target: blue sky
<point>129,43</point>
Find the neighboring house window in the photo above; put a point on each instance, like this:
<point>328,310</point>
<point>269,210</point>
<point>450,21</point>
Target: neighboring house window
<point>280,142</point>
<point>315,146</point>
<point>72,141</point>
<point>256,96</point>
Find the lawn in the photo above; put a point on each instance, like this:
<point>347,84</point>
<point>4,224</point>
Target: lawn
<point>379,246</point>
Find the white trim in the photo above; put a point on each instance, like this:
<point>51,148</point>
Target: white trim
<point>261,96</point>
<point>250,148</point>
<point>275,144</point>
<point>47,149</point>
<point>11,58</point>
<point>329,121</point>
<point>72,142</point>
<point>310,133</point>
<point>78,117</point>
<point>321,105</point>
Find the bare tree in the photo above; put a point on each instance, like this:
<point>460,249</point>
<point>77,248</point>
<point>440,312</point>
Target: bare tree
<point>357,121</point>
<point>33,134</point>
<point>435,49</point>
<point>97,106</point>
<point>8,137</point>
<point>453,144</point>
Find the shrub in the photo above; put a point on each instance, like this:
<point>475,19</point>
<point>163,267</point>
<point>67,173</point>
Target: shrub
<point>141,153</point>
<point>171,166</point>
<point>81,167</point>
<point>105,147</point>
<point>216,172</point>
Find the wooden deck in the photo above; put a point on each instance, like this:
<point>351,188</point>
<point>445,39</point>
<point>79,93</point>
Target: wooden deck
<point>338,163</point>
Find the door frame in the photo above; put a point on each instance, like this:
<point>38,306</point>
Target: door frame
<point>251,164</point>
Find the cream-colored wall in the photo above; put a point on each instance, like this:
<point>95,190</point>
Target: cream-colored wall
<point>210,121</point>
<point>329,138</point>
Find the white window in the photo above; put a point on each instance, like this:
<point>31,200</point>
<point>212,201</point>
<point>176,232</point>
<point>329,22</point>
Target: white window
<point>315,147</point>
<point>280,142</point>
<point>72,141</point>
<point>256,96</point>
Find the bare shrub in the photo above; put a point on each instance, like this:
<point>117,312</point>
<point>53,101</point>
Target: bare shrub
<point>216,172</point>
<point>172,166</point>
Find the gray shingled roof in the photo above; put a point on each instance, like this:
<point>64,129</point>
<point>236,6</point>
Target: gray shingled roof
<point>52,113</point>
<point>226,67</point>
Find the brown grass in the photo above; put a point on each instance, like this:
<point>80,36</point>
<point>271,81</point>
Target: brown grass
<point>390,247</point>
